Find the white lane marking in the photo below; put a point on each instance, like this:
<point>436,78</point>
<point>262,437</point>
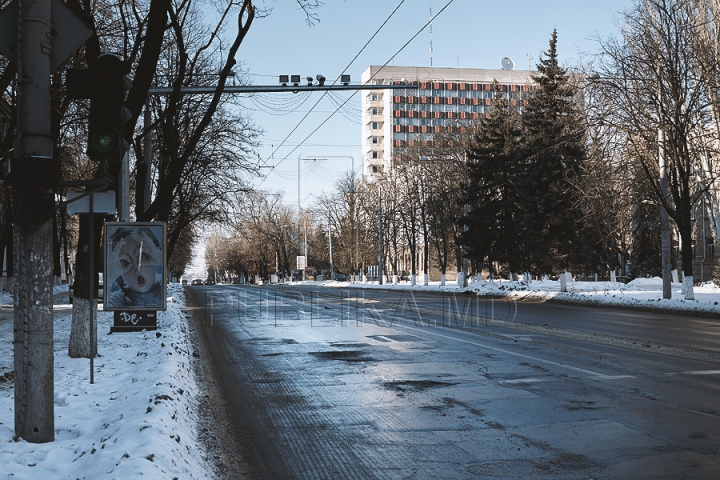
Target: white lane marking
<point>697,372</point>
<point>529,357</point>
<point>525,380</point>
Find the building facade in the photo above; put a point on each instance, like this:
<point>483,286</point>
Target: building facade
<point>437,101</point>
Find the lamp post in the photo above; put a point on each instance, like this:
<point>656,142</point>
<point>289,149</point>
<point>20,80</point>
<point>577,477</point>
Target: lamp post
<point>330,246</point>
<point>316,158</point>
<point>380,238</point>
<point>664,221</point>
<point>464,281</point>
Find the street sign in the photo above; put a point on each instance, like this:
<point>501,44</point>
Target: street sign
<point>79,202</point>
<point>71,33</point>
<point>301,262</point>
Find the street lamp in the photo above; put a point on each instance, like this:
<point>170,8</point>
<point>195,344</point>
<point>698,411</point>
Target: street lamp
<point>316,158</point>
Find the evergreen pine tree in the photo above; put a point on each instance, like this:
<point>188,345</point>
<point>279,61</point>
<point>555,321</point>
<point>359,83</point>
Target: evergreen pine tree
<point>491,193</point>
<point>553,148</point>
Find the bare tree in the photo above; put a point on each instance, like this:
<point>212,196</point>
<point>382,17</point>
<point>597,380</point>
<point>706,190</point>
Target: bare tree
<point>612,192</point>
<point>263,219</point>
<point>650,75</point>
<point>705,15</point>
<point>341,206</point>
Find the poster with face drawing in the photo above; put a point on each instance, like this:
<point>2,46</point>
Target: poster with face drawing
<point>135,266</point>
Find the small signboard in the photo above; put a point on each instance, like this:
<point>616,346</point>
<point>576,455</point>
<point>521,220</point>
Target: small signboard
<point>134,321</point>
<point>135,266</point>
<point>301,262</point>
<point>79,202</point>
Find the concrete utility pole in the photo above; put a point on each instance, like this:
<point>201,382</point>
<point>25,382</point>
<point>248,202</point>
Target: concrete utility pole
<point>381,255</point>
<point>664,221</point>
<point>33,314</point>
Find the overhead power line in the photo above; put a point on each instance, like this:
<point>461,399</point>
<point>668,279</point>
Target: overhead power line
<point>323,96</point>
<point>375,74</point>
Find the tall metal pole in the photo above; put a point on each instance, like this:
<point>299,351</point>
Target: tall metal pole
<point>354,215</point>
<point>702,219</point>
<point>91,285</point>
<point>123,195</point>
<point>33,313</point>
<point>464,252</point>
<point>147,154</point>
<point>380,239</point>
<point>300,213</point>
<point>352,159</point>
<point>664,221</point>
<point>465,227</point>
<point>330,246</point>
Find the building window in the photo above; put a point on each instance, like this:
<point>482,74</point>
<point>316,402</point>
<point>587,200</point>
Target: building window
<point>375,125</point>
<point>374,97</point>
<point>375,155</point>
<point>375,140</point>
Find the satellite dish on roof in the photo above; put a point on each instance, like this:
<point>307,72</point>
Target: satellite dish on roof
<point>507,63</point>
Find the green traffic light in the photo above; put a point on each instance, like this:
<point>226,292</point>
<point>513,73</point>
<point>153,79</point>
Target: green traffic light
<point>105,140</point>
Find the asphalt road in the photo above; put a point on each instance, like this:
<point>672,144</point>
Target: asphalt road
<point>335,384</point>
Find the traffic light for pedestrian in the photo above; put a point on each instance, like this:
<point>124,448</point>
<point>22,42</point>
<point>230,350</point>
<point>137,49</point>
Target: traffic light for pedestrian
<point>109,87</point>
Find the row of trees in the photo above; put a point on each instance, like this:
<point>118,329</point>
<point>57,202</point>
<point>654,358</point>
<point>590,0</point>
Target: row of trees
<point>655,95</point>
<point>519,173</point>
<point>570,182</point>
<point>190,159</point>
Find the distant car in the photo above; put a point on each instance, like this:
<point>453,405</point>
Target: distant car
<point>209,281</point>
<point>184,281</point>
<point>197,281</point>
<point>339,276</point>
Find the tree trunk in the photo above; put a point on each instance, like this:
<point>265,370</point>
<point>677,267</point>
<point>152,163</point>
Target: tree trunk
<point>82,314</point>
<point>80,335</point>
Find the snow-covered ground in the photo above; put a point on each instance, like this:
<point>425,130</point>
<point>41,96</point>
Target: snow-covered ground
<point>641,292</point>
<point>137,419</point>
<point>140,418</point>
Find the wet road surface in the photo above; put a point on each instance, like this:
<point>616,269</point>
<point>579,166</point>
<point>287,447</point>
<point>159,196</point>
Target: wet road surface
<point>332,386</point>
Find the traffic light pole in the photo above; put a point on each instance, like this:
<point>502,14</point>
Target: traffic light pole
<point>33,314</point>
<point>204,90</point>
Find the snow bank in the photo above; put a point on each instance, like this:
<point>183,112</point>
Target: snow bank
<point>137,419</point>
<point>643,293</point>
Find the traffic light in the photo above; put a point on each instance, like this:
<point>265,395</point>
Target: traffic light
<point>108,114</point>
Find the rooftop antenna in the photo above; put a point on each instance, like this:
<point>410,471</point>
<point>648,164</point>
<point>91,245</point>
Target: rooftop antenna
<point>431,49</point>
<point>529,59</point>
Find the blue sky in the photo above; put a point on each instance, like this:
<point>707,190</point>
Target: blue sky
<point>468,33</point>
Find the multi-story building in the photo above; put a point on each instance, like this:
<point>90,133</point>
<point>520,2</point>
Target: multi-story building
<point>438,101</point>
